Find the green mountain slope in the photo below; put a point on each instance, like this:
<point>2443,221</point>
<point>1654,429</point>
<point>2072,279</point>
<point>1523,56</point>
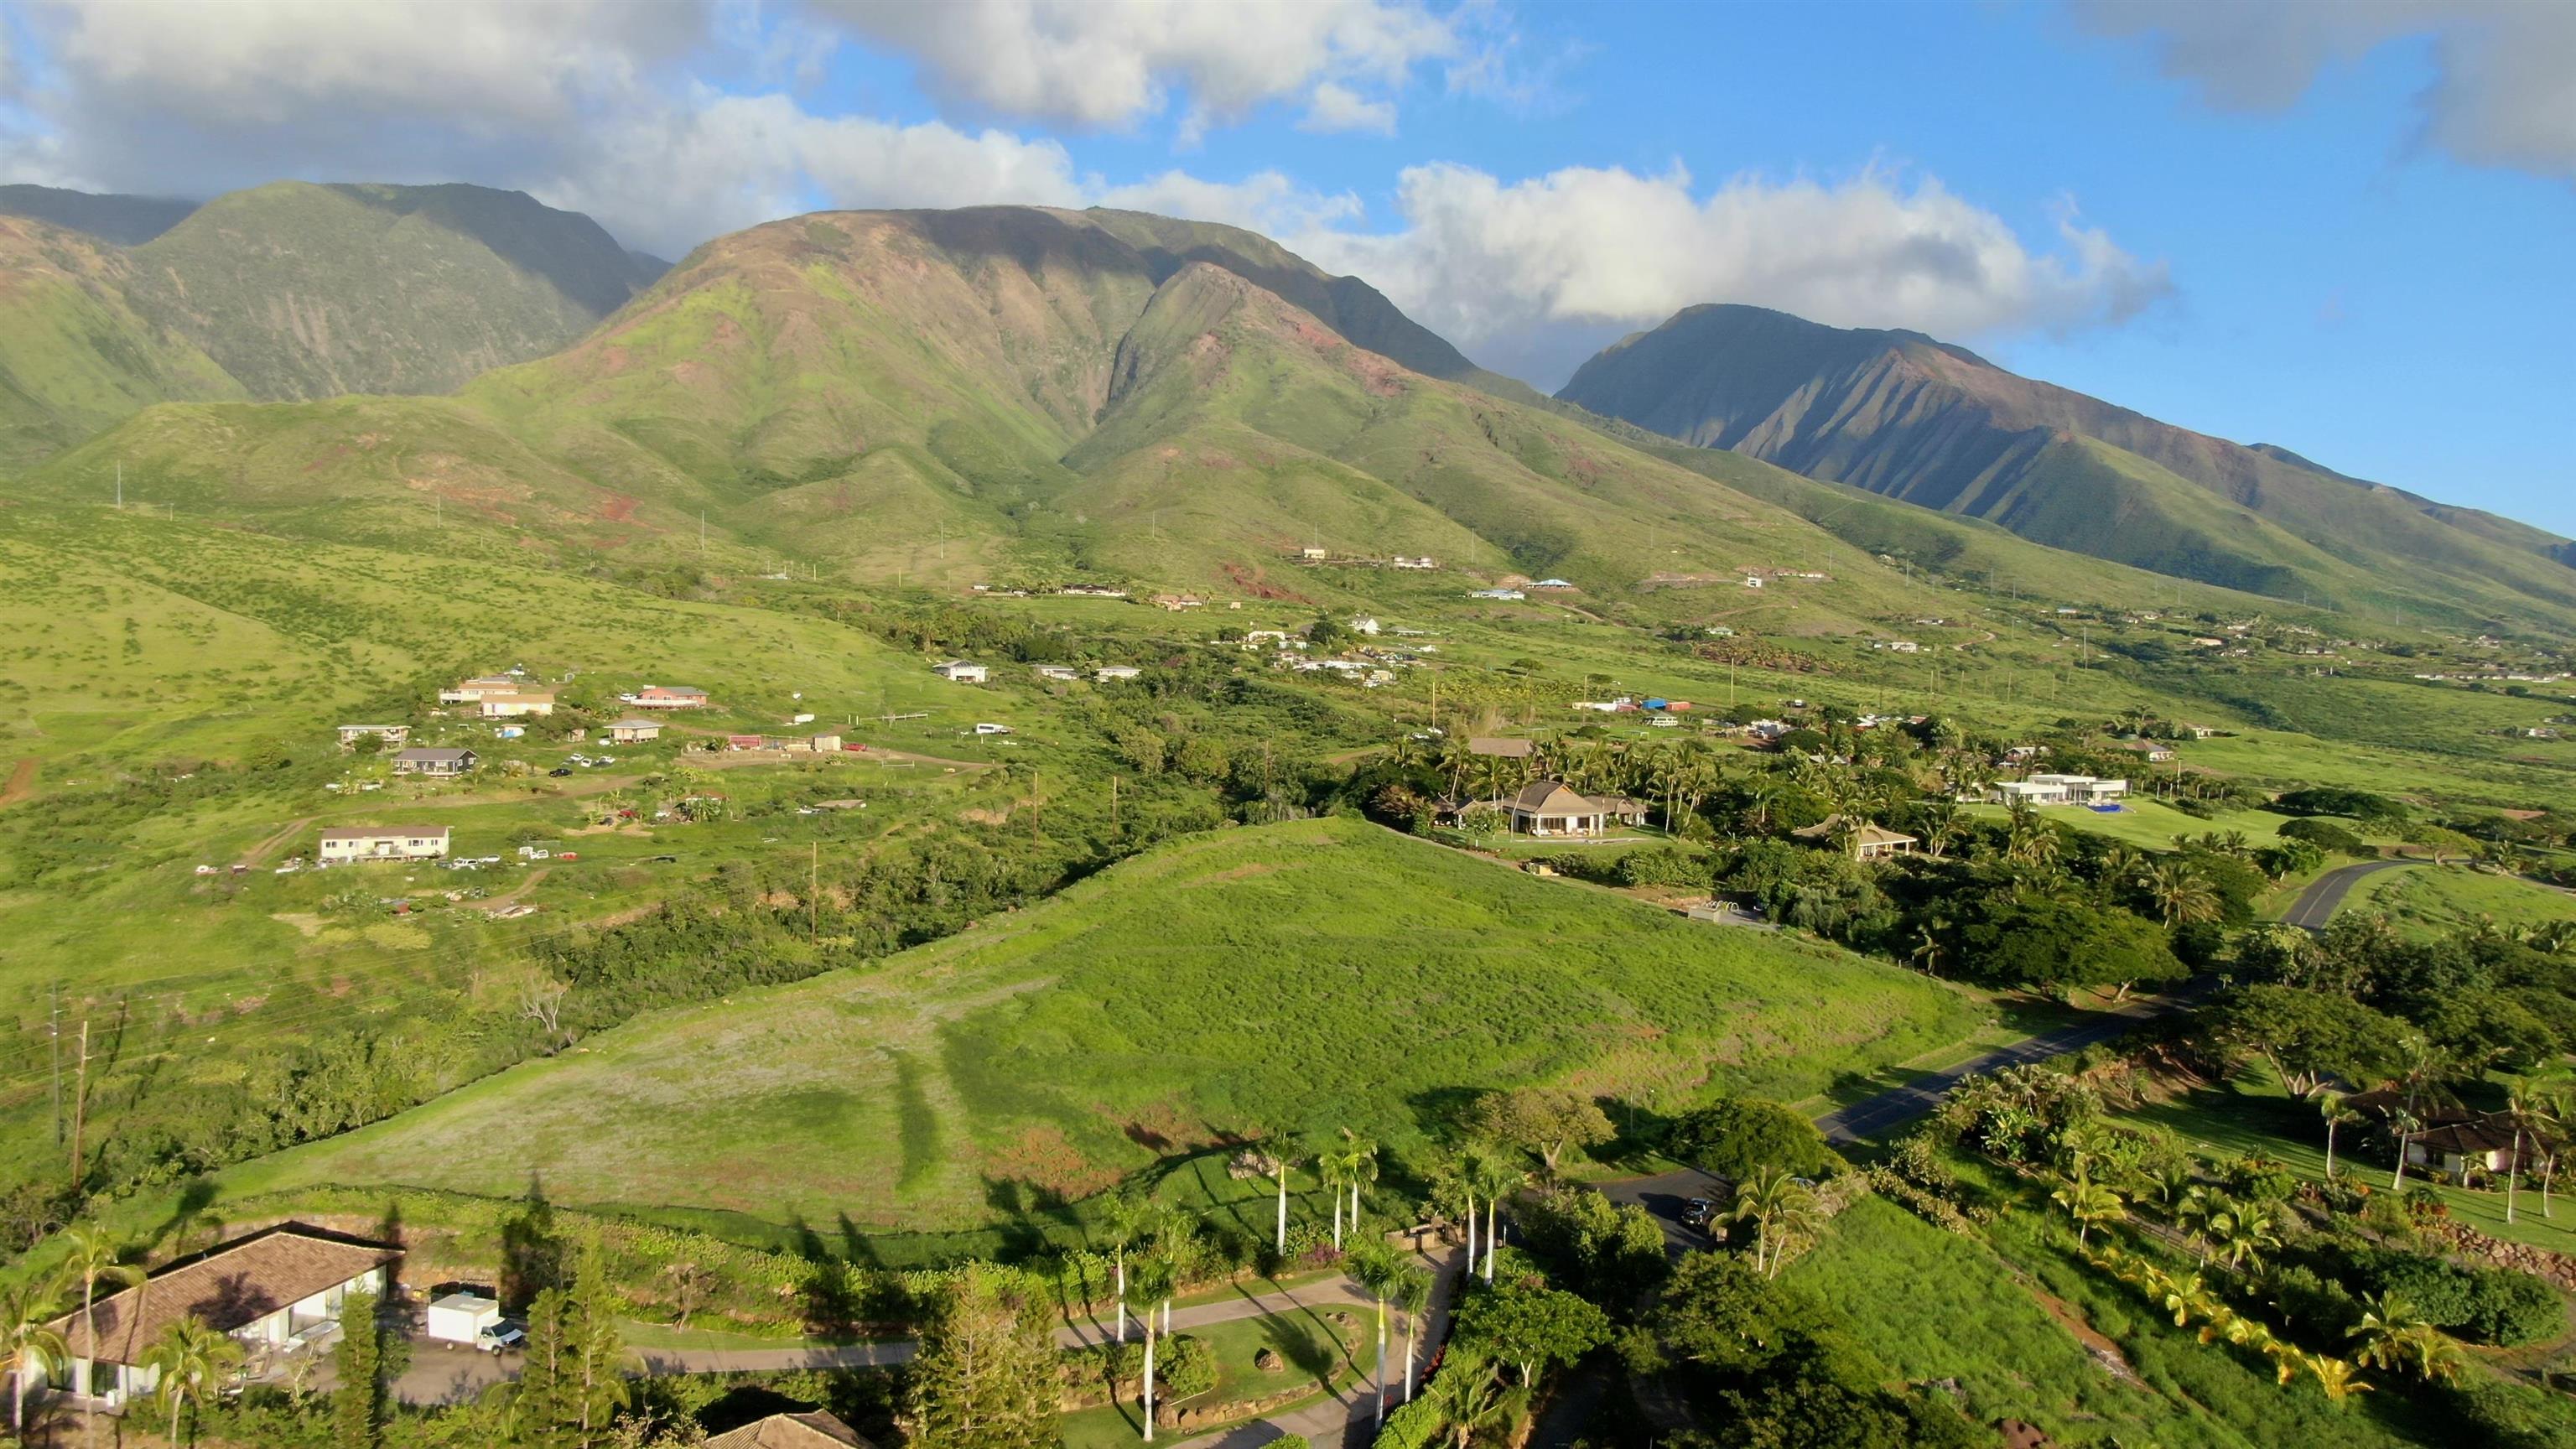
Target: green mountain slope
<point>75,356</point>
<point>944,396</point>
<point>308,291</point>
<point>1234,983</point>
<point>124,220</point>
<point>1914,419</point>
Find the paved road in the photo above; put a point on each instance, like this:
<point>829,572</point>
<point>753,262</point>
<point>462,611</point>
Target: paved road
<point>2316,905</point>
<point>1873,1115</point>
<point>1665,1195</point>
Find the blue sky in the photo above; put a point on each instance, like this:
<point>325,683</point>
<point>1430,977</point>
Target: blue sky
<point>2344,229</point>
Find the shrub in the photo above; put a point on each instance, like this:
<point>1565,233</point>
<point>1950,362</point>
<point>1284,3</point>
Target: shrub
<point>2326,835</point>
<point>1663,866</point>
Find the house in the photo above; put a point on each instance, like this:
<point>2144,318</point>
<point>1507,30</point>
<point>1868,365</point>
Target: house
<point>823,744</point>
<point>1550,807</point>
<point>1622,809</point>
<point>510,706</point>
<point>1554,585</point>
<point>2451,1139</point>
<point>2155,753</point>
<point>986,727</point>
<point>433,760</point>
<point>1753,581</point>
<point>1312,555</point>
<point>392,735</point>
<point>2028,792</point>
<point>1109,672</point>
<point>1496,594</point>
<point>2024,754</point>
<point>2084,789</point>
<point>634,731</point>
<point>1898,646</point>
<point>958,671</point>
<point>1500,748</point>
<point>1177,602</point>
<point>748,742</point>
<point>1063,673</point>
<point>1093,591</point>
<point>814,1429</point>
<point>471,691</point>
<point>672,696</point>
<point>1868,841</point>
<point>276,1291</point>
<point>383,842</point>
<point>1424,562</point>
<point>1365,624</point>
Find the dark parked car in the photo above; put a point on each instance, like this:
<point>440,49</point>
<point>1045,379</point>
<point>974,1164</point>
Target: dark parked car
<point>1697,1212</point>
<point>560,771</point>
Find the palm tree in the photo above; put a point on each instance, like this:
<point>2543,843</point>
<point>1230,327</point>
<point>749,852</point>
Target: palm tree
<point>1765,1200</point>
<point>2088,1203</point>
<point>1378,1268</point>
<point>2247,1235</point>
<point>1358,1170</point>
<point>2181,894</point>
<point>29,1347</point>
<point>1491,1178</point>
<point>191,1358</point>
<point>1412,1298</point>
<point>2407,1125</point>
<point>94,1255</point>
<point>1328,1171</point>
<point>1154,1278</point>
<point>1123,1218</point>
<point>2528,1103</point>
<point>2337,1113</point>
<point>2335,1376</point>
<point>2395,1336</point>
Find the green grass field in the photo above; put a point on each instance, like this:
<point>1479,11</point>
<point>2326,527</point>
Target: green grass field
<point>1305,976</point>
<point>1314,1353</point>
<point>2430,903</point>
<point>2151,826</point>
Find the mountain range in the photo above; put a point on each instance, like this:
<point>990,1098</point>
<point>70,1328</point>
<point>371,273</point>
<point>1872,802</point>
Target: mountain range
<point>944,396</point>
<point>1907,417</point>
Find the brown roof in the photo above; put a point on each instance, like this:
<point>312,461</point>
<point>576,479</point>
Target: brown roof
<point>1551,797</point>
<point>229,1286</point>
<point>1863,833</point>
<point>814,1430</point>
<point>1508,749</point>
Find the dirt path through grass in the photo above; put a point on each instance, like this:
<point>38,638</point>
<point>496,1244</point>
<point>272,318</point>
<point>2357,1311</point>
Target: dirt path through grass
<point>22,782</point>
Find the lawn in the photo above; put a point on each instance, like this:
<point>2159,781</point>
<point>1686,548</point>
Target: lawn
<point>1312,1351</point>
<point>2253,1115</point>
<point>2431,903</point>
<point>1302,977</point>
<point>2152,826</point>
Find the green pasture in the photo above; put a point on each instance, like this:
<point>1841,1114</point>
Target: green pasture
<point>1300,977</point>
<point>2431,903</point>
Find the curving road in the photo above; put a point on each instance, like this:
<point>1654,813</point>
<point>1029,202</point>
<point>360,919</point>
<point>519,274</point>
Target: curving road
<point>2317,904</point>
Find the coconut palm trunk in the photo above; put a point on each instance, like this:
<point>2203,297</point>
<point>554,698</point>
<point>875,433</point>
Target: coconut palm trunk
<point>1149,1376</point>
<point>1493,1233</point>
<point>2512,1173</point>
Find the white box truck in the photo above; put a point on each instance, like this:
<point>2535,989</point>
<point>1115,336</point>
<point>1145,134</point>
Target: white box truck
<point>461,1318</point>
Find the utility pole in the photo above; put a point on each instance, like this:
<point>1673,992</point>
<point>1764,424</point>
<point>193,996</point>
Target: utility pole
<point>80,1104</point>
<point>54,1034</point>
<point>120,485</point>
<point>1113,802</point>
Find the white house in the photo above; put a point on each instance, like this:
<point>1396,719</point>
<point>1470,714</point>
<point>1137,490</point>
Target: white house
<point>1365,624</point>
<point>1108,672</point>
<point>634,731</point>
<point>1064,673</point>
<point>2029,792</point>
<point>276,1291</point>
<point>2085,789</point>
<point>958,671</point>
<point>383,842</point>
<point>392,735</point>
<point>511,706</point>
<point>1497,594</point>
<point>472,690</point>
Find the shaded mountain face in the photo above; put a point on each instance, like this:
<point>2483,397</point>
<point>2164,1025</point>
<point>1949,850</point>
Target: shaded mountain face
<point>75,354</point>
<point>287,291</point>
<point>124,220</point>
<point>963,395</point>
<point>1915,419</point>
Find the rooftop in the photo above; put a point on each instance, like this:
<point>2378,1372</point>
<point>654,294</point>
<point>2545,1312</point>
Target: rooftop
<point>815,1429</point>
<point>230,1286</point>
<point>381,832</point>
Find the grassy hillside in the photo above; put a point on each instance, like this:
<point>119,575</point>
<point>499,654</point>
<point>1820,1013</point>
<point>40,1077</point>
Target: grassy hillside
<point>124,220</point>
<point>306,291</point>
<point>1243,982</point>
<point>75,355</point>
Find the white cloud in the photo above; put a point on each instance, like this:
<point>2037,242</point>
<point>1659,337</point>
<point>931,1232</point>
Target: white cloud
<point>1267,202</point>
<point>1113,62</point>
<point>1336,107</point>
<point>2504,87</point>
<point>1532,276</point>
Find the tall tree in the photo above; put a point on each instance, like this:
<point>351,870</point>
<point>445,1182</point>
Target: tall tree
<point>985,1376</point>
<point>2337,1113</point>
<point>1543,1120</point>
<point>95,1256</point>
<point>1123,1218</point>
<point>29,1347</point>
<point>1530,1328</point>
<point>2528,1103</point>
<point>358,1404</point>
<point>1376,1267</point>
<point>595,1380</point>
<point>1412,1299</point>
<point>191,1359</point>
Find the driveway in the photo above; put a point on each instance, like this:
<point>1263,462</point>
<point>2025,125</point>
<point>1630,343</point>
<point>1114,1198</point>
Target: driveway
<point>2317,904</point>
<point>1665,1195</point>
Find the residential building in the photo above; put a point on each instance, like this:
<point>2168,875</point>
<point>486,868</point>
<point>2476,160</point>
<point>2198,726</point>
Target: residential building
<point>1868,841</point>
<point>1177,602</point>
<point>393,736</point>
<point>1108,672</point>
<point>511,706</point>
<point>382,842</point>
<point>1553,585</point>
<point>1312,555</point>
<point>2028,792</point>
<point>750,742</point>
<point>1500,748</point>
<point>472,690</point>
<point>2156,753</point>
<point>276,1291</point>
<point>434,760</point>
<point>668,696</point>
<point>824,744</point>
<point>1093,591</point>
<point>1063,673</point>
<point>1753,581</point>
<point>1496,594</point>
<point>1550,807</point>
<point>634,731</point>
<point>2085,789</point>
<point>1424,562</point>
<point>958,671</point>
<point>814,1429</point>
<point>1365,624</point>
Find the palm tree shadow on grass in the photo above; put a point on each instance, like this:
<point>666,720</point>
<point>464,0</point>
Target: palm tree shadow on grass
<point>1305,1346</point>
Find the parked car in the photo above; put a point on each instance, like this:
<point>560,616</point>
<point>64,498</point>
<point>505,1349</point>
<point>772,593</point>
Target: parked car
<point>502,1337</point>
<point>1697,1212</point>
<point>560,771</point>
